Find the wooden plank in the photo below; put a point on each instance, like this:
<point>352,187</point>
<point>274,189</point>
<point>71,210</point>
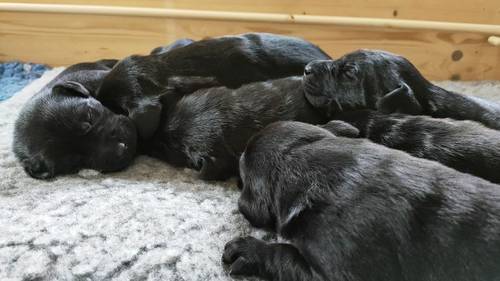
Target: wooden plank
<point>478,11</point>
<point>59,39</point>
<point>173,13</point>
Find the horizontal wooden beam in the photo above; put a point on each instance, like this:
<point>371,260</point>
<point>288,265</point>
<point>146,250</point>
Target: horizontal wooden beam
<point>477,11</point>
<point>250,17</point>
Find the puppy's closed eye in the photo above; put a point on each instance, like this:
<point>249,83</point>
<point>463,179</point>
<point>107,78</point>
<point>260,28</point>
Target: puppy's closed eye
<point>86,122</point>
<point>349,71</point>
<point>85,127</point>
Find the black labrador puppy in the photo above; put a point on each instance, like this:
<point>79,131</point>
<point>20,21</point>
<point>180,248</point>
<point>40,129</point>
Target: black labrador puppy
<point>466,146</point>
<point>208,129</point>
<point>355,210</point>
<point>63,128</point>
<point>136,84</point>
<point>365,79</point>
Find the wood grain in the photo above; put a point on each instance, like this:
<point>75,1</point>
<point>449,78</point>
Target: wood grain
<point>59,39</point>
<point>477,11</point>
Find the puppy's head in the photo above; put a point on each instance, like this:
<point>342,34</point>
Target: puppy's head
<point>66,129</point>
<point>352,81</point>
<point>273,180</point>
<point>132,88</point>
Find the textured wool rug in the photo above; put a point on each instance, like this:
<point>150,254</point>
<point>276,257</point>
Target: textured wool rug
<point>150,222</point>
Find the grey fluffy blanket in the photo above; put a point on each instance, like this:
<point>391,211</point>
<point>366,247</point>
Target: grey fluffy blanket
<point>150,222</point>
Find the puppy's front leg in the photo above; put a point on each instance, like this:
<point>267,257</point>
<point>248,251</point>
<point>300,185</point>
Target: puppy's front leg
<point>248,256</point>
<point>220,168</point>
<point>146,113</point>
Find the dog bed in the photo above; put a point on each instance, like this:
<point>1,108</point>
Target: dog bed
<point>15,75</point>
<point>149,222</point>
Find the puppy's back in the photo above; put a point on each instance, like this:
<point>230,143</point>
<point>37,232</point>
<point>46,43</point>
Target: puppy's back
<point>467,146</point>
<point>235,114</point>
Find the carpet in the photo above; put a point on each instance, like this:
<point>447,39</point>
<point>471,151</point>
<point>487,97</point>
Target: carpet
<point>150,222</point>
<point>16,75</point>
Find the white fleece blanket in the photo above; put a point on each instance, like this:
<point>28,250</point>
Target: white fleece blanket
<point>150,222</point>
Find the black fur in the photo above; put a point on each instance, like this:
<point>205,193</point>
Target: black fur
<point>354,210</point>
<point>208,129</point>
<point>55,134</point>
<point>174,45</point>
<point>466,146</point>
<point>135,84</point>
<point>63,128</point>
<point>364,79</point>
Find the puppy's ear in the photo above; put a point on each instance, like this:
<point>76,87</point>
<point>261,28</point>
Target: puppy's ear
<point>37,168</point>
<point>401,100</point>
<point>341,129</point>
<point>71,88</point>
<point>293,210</point>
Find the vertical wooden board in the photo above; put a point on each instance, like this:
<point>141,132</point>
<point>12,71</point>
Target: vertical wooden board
<point>59,39</point>
<point>478,11</point>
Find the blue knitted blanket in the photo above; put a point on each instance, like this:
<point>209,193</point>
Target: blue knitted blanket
<point>16,75</point>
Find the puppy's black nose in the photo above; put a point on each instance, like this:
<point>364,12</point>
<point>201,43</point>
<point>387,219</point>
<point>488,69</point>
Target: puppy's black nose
<point>122,148</point>
<point>307,70</point>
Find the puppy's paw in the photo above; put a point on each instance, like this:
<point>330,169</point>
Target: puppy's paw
<point>146,115</point>
<point>244,256</point>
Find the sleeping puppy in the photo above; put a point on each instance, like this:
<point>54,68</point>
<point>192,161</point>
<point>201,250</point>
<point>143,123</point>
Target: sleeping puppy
<point>364,79</point>
<point>63,128</point>
<point>136,84</point>
<point>208,129</point>
<point>354,210</point>
<point>466,146</point>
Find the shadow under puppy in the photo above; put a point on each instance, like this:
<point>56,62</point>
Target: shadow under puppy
<point>466,146</point>
<point>355,210</point>
<point>365,79</point>
<point>208,129</point>
<point>136,84</point>
<point>63,128</point>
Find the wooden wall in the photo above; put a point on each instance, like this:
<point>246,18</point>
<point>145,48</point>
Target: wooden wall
<point>62,39</point>
<point>471,11</point>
